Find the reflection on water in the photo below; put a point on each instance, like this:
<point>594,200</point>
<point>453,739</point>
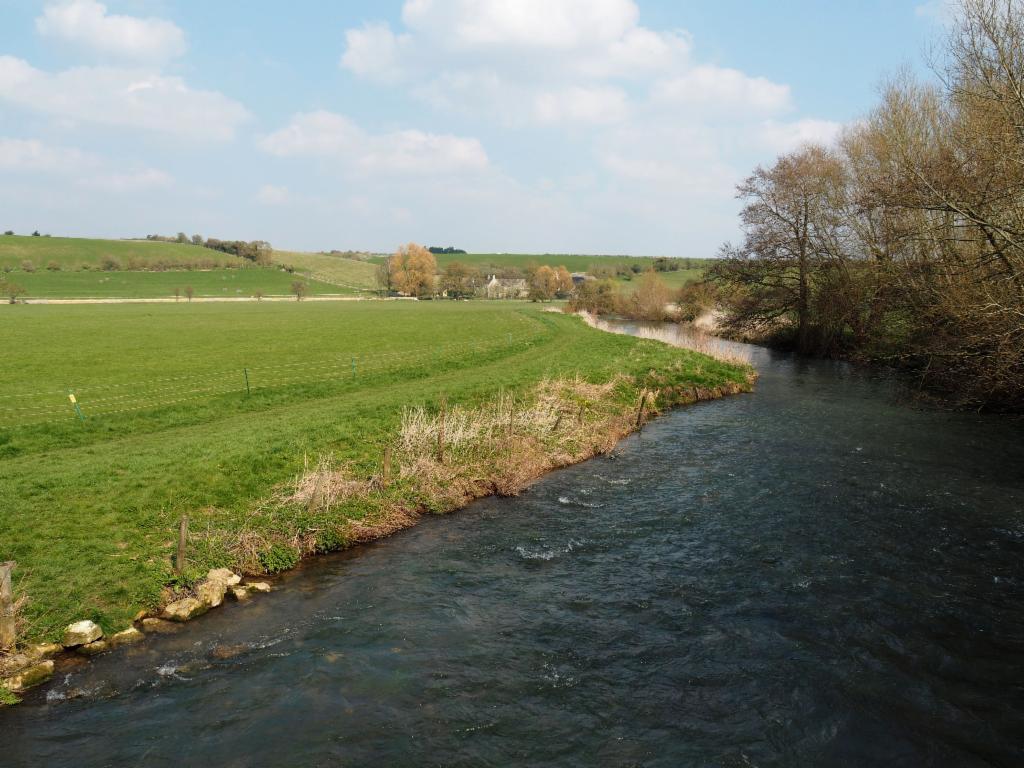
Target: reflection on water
<point>814,574</point>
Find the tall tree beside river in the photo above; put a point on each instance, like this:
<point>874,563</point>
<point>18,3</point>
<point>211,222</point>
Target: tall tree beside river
<point>904,243</point>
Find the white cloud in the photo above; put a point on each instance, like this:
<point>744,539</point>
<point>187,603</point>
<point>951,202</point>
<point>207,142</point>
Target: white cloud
<point>547,61</point>
<point>34,155</point>
<point>86,23</point>
<point>132,181</point>
<point>785,137</point>
<point>579,104</point>
<point>374,52</point>
<point>269,194</point>
<point>329,135</point>
<point>541,24</point>
<point>131,98</point>
<point>714,87</point>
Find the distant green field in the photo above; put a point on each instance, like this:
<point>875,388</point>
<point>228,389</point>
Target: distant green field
<point>350,273</point>
<point>572,262</point>
<point>674,280</point>
<point>90,507</point>
<point>149,285</point>
<point>73,252</point>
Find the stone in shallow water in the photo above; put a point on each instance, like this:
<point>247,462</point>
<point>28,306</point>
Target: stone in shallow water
<point>258,586</point>
<point>229,651</point>
<point>81,633</point>
<point>211,593</point>
<point>34,675</point>
<point>126,637</point>
<point>240,593</point>
<point>184,610</point>
<point>91,649</point>
<point>151,624</point>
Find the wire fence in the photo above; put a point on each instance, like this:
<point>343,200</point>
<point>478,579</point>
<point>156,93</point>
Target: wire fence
<point>93,400</point>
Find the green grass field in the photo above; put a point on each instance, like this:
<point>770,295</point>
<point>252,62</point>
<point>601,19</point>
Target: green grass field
<point>348,273</point>
<point>572,262</point>
<point>674,280</point>
<point>229,283</point>
<point>90,507</point>
<point>71,253</point>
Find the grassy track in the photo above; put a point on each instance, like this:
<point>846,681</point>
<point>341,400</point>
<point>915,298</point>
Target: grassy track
<point>148,285</point>
<point>89,509</point>
<point>349,273</point>
<point>74,252</point>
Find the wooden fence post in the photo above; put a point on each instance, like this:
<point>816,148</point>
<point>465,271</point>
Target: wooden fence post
<point>6,607</point>
<point>385,470</point>
<point>640,412</point>
<point>179,560</point>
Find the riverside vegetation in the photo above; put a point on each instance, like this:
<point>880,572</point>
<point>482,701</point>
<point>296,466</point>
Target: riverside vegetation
<point>904,242</point>
<point>268,424</point>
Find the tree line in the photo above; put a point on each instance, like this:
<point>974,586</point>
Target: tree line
<point>256,251</point>
<point>412,270</point>
<point>904,241</point>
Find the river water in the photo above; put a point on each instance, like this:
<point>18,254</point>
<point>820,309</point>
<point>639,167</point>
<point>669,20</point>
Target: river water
<point>814,574</point>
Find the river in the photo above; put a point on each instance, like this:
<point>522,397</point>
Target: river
<point>818,573</point>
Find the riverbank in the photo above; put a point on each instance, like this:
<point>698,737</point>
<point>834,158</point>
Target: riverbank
<point>485,422</point>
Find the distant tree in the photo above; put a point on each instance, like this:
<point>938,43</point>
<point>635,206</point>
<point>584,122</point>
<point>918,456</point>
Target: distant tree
<point>649,301</point>
<point>36,233</point>
<point>595,296</point>
<point>258,294</point>
<point>460,280</point>
<point>28,266</point>
<point>11,290</point>
<point>177,293</point>
<point>563,283</point>
<point>197,239</point>
<point>299,288</point>
<point>9,232</point>
<point>383,277</point>
<point>413,269</point>
<point>182,237</point>
<point>189,292</point>
<point>543,284</point>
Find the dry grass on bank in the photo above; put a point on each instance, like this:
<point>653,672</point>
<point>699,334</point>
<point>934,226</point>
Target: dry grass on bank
<point>446,457</point>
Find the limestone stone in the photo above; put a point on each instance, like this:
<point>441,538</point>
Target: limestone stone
<point>240,593</point>
<point>44,650</point>
<point>91,649</point>
<point>81,633</point>
<point>258,586</point>
<point>151,624</point>
<point>224,575</point>
<point>126,637</point>
<point>34,675</point>
<point>14,663</point>
<point>211,593</point>
<point>185,609</point>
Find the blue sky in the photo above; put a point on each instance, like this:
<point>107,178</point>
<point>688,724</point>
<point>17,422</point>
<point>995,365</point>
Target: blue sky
<point>597,126</point>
